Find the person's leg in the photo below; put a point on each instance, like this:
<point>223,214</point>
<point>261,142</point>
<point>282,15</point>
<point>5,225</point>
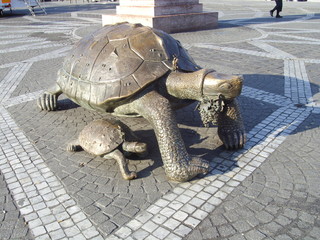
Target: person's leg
<point>271,11</point>
<point>278,15</point>
<point>279,8</point>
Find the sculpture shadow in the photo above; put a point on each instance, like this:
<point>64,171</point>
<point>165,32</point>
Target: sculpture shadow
<point>254,111</point>
<point>149,137</point>
<point>268,19</point>
<point>193,142</point>
<point>85,6</point>
<point>53,8</point>
<point>66,104</point>
<point>203,142</point>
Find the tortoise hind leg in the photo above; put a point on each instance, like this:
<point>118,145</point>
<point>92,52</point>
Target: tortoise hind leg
<point>48,100</point>
<point>123,164</point>
<point>230,126</point>
<point>74,146</point>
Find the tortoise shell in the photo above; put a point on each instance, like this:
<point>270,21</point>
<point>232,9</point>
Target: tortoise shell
<point>118,61</point>
<point>100,137</point>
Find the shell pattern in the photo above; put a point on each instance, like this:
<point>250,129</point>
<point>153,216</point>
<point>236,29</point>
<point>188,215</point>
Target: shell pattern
<point>100,137</point>
<point>117,61</point>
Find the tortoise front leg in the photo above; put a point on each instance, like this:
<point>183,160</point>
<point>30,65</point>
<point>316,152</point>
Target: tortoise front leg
<point>123,164</point>
<point>48,100</point>
<point>178,164</point>
<point>230,126</point>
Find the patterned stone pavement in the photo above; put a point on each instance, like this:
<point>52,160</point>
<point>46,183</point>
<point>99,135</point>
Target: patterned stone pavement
<point>268,190</point>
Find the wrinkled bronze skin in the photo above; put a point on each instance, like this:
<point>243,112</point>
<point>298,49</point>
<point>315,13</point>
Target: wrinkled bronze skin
<point>130,69</point>
<point>109,139</point>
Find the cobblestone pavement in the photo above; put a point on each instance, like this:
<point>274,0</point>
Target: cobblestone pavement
<point>268,190</point>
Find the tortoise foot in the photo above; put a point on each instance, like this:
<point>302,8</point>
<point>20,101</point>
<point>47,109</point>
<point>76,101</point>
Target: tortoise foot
<point>198,165</point>
<point>130,176</point>
<point>47,101</point>
<point>232,139</point>
<point>73,148</point>
<point>185,173</point>
<point>230,126</point>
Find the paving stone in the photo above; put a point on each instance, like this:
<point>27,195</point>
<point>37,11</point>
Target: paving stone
<point>272,183</point>
<point>161,233</point>
<point>283,237</point>
<point>241,226</point>
<point>107,227</point>
<point>183,230</point>
<point>254,234</point>
<point>58,234</point>
<point>264,217</point>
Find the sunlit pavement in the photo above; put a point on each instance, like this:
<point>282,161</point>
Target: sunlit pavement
<point>268,190</point>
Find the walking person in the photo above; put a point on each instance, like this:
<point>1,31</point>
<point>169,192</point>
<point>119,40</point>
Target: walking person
<point>277,8</point>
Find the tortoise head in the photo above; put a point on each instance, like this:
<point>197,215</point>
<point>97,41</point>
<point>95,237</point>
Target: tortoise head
<point>221,85</point>
<point>217,90</point>
<point>203,84</point>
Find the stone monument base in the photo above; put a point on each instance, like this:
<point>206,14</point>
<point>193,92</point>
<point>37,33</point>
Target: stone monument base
<point>169,23</point>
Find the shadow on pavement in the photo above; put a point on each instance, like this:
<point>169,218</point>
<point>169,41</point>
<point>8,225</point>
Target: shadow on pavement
<point>263,20</point>
<point>55,8</point>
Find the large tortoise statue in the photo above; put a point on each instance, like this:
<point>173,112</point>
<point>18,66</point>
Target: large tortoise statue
<point>133,70</point>
<point>110,140</point>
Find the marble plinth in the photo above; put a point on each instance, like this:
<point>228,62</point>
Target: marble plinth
<point>167,15</point>
<point>169,23</point>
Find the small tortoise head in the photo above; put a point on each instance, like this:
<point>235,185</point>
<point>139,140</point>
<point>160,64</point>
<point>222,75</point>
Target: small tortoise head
<point>221,85</point>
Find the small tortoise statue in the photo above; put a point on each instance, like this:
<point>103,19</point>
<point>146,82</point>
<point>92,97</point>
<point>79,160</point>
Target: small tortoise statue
<point>106,138</point>
<point>133,70</point>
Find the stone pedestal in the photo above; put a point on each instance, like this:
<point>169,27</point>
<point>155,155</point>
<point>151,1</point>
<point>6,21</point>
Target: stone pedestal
<point>167,15</point>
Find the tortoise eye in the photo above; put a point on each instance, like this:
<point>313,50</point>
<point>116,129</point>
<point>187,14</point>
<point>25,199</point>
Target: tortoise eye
<point>226,86</point>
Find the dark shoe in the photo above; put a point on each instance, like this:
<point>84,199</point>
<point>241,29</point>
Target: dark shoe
<point>271,13</point>
<point>278,16</point>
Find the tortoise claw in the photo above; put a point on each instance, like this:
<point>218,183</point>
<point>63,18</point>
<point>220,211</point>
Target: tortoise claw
<point>233,139</point>
<point>73,147</point>
<point>230,126</point>
<point>195,166</point>
<point>198,165</point>
<point>130,176</point>
<point>47,102</point>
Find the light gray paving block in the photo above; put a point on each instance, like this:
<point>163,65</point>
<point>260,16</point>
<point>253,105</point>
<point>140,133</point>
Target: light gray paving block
<point>150,226</point>
<point>154,209</point>
<point>159,218</point>
<point>161,233</point>
<point>167,212</point>
<point>172,223</point>
<point>38,231</point>
<point>50,227</point>
<point>199,214</point>
<point>182,231</point>
<point>90,232</point>
<point>140,234</point>
<point>124,232</point>
<point>283,122</point>
<point>72,231</point>
<point>175,205</point>
<point>134,224</point>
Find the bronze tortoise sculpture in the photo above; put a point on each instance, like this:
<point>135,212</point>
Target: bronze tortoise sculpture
<point>133,70</point>
<point>107,138</point>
